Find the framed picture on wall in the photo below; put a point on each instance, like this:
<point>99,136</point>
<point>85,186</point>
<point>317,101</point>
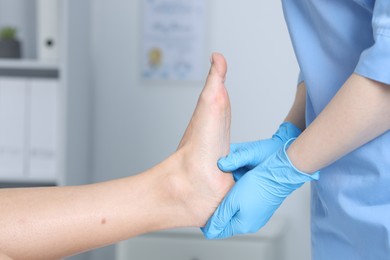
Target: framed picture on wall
<point>173,40</point>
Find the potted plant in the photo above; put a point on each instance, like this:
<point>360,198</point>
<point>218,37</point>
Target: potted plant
<point>9,44</point>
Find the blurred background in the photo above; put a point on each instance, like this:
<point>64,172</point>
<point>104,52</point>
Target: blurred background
<point>76,105</point>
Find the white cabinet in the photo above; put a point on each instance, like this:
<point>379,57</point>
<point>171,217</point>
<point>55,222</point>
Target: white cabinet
<point>43,128</point>
<point>29,129</point>
<point>189,244</point>
<point>12,127</point>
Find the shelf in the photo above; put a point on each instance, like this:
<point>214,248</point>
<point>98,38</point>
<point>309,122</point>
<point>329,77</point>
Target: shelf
<point>28,64</point>
<point>29,68</point>
<point>27,181</point>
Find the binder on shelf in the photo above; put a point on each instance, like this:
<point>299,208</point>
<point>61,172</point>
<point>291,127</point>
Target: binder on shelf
<point>48,30</point>
<point>12,127</point>
<point>43,128</point>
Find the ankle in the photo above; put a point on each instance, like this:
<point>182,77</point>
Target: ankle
<point>189,190</point>
<point>180,191</point>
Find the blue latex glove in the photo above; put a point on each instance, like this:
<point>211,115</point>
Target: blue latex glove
<point>246,156</point>
<point>255,197</point>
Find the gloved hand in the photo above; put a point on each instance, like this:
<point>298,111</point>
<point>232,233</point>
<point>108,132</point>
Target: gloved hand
<point>255,197</point>
<point>246,156</point>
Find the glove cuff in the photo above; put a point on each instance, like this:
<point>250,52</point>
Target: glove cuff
<point>308,177</point>
<point>287,131</point>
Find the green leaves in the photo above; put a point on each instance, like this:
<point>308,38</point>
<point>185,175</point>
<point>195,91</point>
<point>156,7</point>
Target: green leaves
<point>8,33</point>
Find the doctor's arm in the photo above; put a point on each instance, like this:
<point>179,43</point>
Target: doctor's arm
<point>358,113</point>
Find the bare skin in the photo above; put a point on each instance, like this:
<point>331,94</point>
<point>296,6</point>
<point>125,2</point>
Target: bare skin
<point>209,133</point>
<point>182,191</point>
<point>357,114</point>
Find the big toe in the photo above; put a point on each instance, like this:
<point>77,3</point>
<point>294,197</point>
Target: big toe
<point>218,69</point>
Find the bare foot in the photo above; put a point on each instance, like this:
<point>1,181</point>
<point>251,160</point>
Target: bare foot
<point>206,139</point>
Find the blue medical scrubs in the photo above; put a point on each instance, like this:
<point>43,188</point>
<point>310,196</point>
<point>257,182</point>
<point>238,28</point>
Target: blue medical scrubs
<point>351,202</point>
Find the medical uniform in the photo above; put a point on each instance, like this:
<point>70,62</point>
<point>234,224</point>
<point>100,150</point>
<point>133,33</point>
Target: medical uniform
<point>351,202</point>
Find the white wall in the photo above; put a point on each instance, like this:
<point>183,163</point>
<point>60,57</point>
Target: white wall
<point>137,126</point>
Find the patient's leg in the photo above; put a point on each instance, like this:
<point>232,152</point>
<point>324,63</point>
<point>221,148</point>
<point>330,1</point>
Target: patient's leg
<point>206,139</point>
<point>183,190</point>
